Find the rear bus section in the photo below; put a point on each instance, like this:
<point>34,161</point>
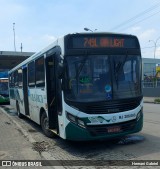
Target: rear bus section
<point>4,94</point>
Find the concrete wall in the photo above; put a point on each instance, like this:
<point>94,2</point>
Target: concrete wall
<point>151,92</point>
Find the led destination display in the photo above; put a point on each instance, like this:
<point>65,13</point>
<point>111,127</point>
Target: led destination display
<point>81,42</point>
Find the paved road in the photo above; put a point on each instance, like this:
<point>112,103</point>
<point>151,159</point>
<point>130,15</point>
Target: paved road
<point>141,146</point>
<point>13,145</point>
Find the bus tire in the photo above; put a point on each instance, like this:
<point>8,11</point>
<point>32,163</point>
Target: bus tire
<point>18,111</point>
<point>45,126</point>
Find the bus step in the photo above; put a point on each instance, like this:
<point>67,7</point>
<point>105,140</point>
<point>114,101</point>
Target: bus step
<point>54,131</point>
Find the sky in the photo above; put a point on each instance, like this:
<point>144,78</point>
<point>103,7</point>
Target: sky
<point>39,22</point>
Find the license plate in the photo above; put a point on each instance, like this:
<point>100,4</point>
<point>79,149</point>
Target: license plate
<point>114,129</point>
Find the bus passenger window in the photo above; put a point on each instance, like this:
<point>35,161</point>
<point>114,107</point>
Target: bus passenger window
<point>31,74</point>
<point>20,77</point>
<point>16,78</point>
<point>40,73</point>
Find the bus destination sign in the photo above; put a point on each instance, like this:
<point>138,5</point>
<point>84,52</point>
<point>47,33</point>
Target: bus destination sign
<point>3,80</point>
<point>103,42</point>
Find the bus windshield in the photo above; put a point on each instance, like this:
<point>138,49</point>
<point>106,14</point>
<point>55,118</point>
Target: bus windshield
<point>102,77</point>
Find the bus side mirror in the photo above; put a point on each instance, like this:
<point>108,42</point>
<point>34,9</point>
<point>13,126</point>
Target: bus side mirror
<point>60,70</point>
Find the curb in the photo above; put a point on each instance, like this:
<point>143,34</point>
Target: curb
<point>45,155</point>
<point>148,102</point>
<point>151,102</point>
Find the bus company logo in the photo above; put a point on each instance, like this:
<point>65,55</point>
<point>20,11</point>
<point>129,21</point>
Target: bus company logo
<point>114,119</point>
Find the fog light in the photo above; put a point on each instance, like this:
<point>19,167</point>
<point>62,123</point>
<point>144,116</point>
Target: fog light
<point>81,123</point>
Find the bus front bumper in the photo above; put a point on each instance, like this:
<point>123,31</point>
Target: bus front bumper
<point>76,133</point>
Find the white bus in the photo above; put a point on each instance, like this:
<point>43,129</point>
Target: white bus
<point>84,86</point>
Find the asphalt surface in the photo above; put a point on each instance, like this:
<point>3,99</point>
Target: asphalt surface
<point>26,136</point>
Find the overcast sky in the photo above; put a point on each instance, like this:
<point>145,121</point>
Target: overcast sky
<point>39,22</point>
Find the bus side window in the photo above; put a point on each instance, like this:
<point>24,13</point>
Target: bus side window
<point>31,74</point>
<point>16,78</point>
<point>20,77</point>
<point>12,79</point>
<point>40,73</point>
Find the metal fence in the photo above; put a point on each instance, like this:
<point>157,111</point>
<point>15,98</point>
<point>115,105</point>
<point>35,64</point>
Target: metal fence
<point>152,84</point>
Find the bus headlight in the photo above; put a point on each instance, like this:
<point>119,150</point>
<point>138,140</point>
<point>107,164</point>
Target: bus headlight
<point>75,120</point>
<point>81,123</point>
<point>71,117</point>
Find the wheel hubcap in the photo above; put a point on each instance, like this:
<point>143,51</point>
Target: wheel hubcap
<point>46,124</point>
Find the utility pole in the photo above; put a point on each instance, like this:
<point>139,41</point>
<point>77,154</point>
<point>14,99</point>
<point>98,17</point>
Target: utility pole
<point>155,45</point>
<point>14,37</point>
<point>155,76</point>
<point>21,47</point>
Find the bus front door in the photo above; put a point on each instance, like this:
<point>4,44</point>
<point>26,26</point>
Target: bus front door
<point>25,91</point>
<point>51,79</point>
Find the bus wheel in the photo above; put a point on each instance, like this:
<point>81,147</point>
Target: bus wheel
<point>45,126</point>
<point>18,111</point>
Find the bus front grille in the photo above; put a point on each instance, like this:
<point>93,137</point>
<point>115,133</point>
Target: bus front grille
<point>108,107</point>
<point>103,129</point>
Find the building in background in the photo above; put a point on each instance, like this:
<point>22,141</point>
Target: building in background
<point>9,59</point>
<point>151,77</point>
<point>158,70</point>
<point>150,68</point>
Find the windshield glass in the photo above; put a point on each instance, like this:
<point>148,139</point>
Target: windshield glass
<point>102,77</point>
<point>3,87</point>
<point>126,76</point>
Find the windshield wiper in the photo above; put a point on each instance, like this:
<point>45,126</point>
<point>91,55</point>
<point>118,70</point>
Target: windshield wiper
<point>117,69</point>
<point>81,66</point>
<point>79,69</point>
